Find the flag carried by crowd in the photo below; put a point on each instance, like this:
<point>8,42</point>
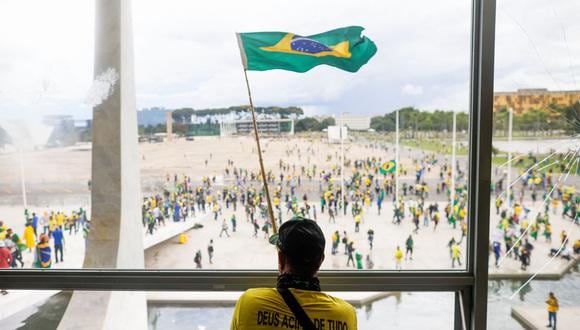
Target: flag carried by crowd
<point>388,167</point>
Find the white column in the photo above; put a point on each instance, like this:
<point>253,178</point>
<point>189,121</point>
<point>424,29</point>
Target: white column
<point>116,236</point>
<point>22,178</point>
<point>169,125</point>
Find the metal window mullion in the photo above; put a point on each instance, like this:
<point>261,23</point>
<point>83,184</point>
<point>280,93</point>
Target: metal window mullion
<point>481,115</point>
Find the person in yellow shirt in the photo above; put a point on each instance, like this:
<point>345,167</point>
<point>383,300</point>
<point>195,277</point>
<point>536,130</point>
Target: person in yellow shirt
<point>518,210</point>
<point>297,301</point>
<point>52,225</point>
<point>3,230</point>
<point>60,220</point>
<point>552,310</point>
<point>398,258</point>
<point>455,254</point>
<point>367,201</point>
<point>357,220</point>
<point>576,246</point>
<point>29,236</point>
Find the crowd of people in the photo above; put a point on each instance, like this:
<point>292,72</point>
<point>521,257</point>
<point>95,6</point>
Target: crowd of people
<point>317,191</point>
<point>314,191</point>
<point>43,237</point>
<point>525,221</point>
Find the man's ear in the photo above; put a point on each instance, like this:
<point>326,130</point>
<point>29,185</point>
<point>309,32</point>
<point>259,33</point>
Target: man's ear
<point>321,261</point>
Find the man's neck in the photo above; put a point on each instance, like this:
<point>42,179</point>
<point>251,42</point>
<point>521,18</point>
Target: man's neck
<point>287,280</point>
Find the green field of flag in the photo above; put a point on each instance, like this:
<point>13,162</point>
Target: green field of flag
<point>343,48</point>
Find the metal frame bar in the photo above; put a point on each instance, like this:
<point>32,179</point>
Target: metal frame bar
<point>480,138</point>
<point>470,285</point>
<point>187,280</point>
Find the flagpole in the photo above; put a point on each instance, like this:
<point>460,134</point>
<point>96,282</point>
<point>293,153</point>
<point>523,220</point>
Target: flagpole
<point>509,160</point>
<point>264,179</point>
<point>342,162</point>
<point>397,159</point>
<point>453,161</point>
<point>22,179</point>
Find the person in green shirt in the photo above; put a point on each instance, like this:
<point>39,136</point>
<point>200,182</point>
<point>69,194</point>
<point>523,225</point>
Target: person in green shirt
<point>358,256</point>
<point>409,245</point>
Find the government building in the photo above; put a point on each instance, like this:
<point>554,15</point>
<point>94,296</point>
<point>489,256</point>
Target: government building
<point>524,100</point>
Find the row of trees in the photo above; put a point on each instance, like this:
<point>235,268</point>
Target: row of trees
<point>311,124</point>
<point>566,119</point>
<point>413,119</point>
<point>536,121</point>
<point>306,124</point>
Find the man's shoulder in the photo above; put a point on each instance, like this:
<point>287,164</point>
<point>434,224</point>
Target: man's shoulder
<point>255,295</point>
<point>337,303</point>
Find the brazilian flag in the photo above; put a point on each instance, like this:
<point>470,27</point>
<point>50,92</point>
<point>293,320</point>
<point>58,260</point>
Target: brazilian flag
<point>343,48</point>
<point>388,167</point>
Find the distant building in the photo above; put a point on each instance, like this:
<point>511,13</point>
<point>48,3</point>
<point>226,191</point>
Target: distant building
<point>83,123</point>
<point>58,120</point>
<point>66,122</point>
<point>524,100</point>
<point>151,117</point>
<point>335,135</point>
<point>265,126</point>
<point>355,123</point>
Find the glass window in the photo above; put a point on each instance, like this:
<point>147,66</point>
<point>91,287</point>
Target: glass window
<point>533,223</point>
<point>46,95</point>
<point>193,73</point>
<point>390,142</point>
<point>199,310</point>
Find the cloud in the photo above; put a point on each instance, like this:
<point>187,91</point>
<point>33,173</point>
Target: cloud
<point>410,89</point>
<point>186,53</point>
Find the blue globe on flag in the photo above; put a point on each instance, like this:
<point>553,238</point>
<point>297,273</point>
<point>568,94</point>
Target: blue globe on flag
<point>306,45</point>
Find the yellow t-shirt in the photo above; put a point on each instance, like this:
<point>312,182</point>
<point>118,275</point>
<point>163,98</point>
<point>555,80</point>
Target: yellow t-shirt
<point>552,305</point>
<point>455,251</point>
<point>59,219</point>
<point>398,255</point>
<point>264,308</point>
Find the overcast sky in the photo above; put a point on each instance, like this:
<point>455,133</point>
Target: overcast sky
<point>186,54</point>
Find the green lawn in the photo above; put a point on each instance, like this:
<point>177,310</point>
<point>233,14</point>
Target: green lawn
<point>436,146</point>
<point>497,160</point>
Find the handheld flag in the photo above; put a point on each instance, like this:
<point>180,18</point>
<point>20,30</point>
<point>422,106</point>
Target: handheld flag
<point>342,48</point>
<point>388,167</point>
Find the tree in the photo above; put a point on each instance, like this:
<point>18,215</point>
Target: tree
<point>307,124</point>
<point>571,118</point>
<point>4,138</point>
<point>382,124</point>
<point>329,121</point>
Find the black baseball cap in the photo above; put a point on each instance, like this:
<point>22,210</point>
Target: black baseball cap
<point>301,240</point>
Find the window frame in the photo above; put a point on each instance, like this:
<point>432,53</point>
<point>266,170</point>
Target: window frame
<point>469,285</point>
